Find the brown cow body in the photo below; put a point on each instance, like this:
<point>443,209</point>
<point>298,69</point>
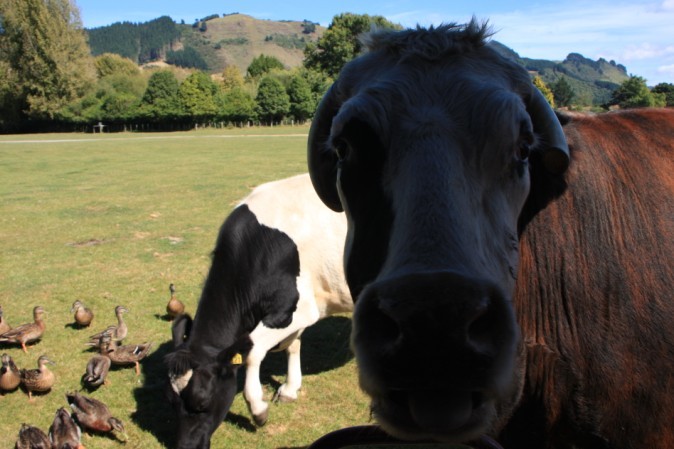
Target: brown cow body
<point>595,291</point>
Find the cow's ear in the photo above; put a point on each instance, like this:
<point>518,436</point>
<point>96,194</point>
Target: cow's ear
<point>180,367</point>
<point>235,356</point>
<point>180,329</point>
<point>321,158</point>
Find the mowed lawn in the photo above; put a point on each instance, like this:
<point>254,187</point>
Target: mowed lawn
<point>114,219</point>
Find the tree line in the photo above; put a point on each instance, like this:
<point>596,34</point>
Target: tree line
<point>49,80</point>
<point>52,81</point>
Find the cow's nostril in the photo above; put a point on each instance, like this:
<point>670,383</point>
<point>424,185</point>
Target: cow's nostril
<point>388,328</point>
<point>480,332</point>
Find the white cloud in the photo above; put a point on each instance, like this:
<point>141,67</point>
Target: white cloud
<point>666,70</point>
<point>647,51</point>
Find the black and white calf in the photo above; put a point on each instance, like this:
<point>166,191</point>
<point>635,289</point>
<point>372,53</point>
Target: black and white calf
<point>277,268</point>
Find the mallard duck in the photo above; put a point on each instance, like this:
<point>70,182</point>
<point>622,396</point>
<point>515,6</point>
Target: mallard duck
<point>124,355</point>
<point>28,332</point>
<point>10,377</point>
<point>92,414</point>
<point>83,315</point>
<point>97,371</point>
<point>118,332</point>
<point>39,380</point>
<point>31,437</point>
<point>64,433</point>
<point>174,307</point>
<point>4,326</point>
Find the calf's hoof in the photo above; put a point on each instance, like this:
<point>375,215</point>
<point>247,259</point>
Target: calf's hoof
<point>280,397</point>
<point>261,419</point>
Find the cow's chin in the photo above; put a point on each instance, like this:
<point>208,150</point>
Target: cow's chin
<point>449,416</point>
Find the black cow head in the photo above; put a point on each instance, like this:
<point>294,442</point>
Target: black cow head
<point>202,385</point>
<point>425,143</point>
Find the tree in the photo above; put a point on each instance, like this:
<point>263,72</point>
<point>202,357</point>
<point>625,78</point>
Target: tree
<point>302,103</point>
<point>160,101</point>
<point>563,93</point>
<point>668,90</point>
<point>545,90</point>
<point>272,100</point>
<point>308,27</point>
<point>634,93</point>
<point>197,94</point>
<point>263,64</point>
<point>113,64</point>
<point>187,57</point>
<point>44,50</point>
<point>231,78</point>
<point>236,105</point>
<point>339,44</point>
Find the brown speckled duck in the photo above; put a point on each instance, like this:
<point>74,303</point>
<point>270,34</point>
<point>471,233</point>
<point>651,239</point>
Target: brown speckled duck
<point>83,315</point>
<point>124,355</point>
<point>97,371</point>
<point>118,332</point>
<point>92,414</point>
<point>31,437</point>
<point>64,433</point>
<point>26,333</point>
<point>174,307</point>
<point>38,380</point>
<point>4,326</point>
<point>10,377</point>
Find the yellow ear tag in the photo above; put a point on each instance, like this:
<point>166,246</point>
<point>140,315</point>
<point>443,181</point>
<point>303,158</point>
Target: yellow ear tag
<point>237,359</point>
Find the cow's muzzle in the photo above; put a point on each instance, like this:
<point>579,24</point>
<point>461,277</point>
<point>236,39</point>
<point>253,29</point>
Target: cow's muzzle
<point>436,353</point>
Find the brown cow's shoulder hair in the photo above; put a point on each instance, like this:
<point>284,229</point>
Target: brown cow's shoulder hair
<point>430,43</point>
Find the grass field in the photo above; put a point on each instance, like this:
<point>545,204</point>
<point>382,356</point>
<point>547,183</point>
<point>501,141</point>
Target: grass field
<point>113,219</point>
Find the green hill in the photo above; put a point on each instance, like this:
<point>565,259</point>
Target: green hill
<point>235,39</point>
<point>592,81</point>
<point>215,42</point>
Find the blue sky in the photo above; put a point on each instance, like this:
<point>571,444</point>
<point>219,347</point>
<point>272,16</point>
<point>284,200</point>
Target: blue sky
<point>638,34</point>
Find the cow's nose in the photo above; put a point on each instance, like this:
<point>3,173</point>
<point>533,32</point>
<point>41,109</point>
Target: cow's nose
<point>410,329</point>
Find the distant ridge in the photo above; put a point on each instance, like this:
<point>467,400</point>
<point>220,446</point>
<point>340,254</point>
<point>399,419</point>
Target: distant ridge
<point>592,81</point>
<point>233,39</point>
<point>215,42</point>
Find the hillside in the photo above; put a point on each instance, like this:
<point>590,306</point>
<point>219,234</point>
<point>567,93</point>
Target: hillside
<point>592,81</point>
<point>235,39</point>
<point>214,42</point>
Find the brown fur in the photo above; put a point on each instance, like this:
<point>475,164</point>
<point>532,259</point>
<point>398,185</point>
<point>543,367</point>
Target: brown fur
<point>595,288</point>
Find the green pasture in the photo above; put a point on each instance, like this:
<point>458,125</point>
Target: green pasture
<point>113,219</point>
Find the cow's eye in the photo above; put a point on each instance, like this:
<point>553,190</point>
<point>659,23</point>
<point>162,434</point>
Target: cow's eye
<point>524,150</point>
<point>526,140</point>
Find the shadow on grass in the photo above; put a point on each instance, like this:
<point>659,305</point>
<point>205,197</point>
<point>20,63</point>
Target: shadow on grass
<point>153,412</point>
<point>325,346</point>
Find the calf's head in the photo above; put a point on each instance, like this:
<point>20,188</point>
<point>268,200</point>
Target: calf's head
<point>202,385</point>
<point>424,142</point>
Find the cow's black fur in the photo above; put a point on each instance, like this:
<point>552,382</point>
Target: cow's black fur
<point>251,280</point>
